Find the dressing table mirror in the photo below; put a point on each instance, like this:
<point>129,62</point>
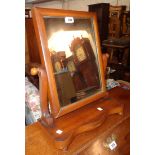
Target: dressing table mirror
<point>70,52</point>
<point>72,72</point>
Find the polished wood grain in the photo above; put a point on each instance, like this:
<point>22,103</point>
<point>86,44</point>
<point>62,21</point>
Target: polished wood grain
<point>81,121</point>
<point>39,141</point>
<point>38,14</point>
<point>121,133</point>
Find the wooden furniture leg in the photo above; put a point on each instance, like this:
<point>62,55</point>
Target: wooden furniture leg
<point>46,118</point>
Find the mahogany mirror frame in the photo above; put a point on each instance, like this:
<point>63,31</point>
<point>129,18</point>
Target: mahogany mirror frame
<point>40,30</point>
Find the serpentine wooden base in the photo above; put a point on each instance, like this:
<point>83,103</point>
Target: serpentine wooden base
<point>66,128</point>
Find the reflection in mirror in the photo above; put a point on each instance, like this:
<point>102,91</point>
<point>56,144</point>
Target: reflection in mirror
<point>74,58</point>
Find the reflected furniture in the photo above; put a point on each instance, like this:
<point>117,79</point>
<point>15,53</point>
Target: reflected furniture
<point>77,78</point>
<point>85,61</point>
<point>66,89</point>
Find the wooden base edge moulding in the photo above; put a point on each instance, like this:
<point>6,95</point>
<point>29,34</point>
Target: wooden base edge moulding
<point>66,128</point>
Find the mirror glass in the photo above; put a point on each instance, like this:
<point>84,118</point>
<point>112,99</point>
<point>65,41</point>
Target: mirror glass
<point>74,59</point>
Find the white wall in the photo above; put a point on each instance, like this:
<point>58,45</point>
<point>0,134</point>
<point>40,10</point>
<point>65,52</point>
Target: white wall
<point>52,4</point>
<point>81,5</point>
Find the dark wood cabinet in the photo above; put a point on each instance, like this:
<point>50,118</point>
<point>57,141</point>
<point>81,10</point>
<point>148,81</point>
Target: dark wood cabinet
<point>102,11</point>
<point>33,50</point>
<point>116,21</point>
